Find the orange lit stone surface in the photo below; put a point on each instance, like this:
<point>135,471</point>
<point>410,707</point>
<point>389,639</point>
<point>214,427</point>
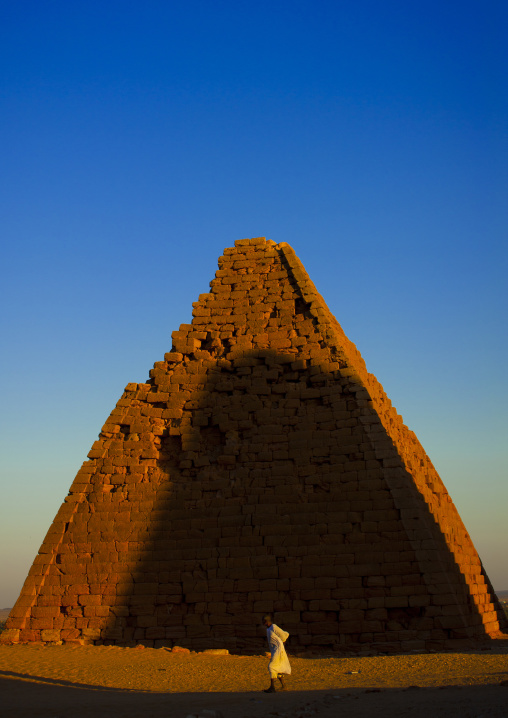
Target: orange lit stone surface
<point>261,468</point>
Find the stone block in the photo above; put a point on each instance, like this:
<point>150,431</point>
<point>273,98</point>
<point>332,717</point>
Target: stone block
<point>324,627</point>
<point>50,635</point>
<point>12,635</point>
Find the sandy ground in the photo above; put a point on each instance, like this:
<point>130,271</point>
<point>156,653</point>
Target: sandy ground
<point>63,681</point>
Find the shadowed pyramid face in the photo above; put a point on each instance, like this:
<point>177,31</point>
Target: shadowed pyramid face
<point>261,469</point>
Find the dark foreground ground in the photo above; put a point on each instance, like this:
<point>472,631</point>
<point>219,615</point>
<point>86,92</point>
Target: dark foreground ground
<point>103,682</point>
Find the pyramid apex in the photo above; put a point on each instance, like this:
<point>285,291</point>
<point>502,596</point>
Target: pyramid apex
<point>251,241</point>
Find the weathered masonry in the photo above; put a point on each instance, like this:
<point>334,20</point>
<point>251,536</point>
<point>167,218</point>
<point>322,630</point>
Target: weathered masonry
<point>261,468</point>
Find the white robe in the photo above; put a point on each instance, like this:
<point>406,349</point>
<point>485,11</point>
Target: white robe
<point>279,662</point>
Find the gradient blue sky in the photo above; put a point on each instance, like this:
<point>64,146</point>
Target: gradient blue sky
<point>138,139</point>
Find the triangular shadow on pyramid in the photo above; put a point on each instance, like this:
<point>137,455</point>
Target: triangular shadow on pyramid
<point>260,469</point>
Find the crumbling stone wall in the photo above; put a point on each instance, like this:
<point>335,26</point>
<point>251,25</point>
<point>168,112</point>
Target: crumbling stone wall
<point>261,468</point>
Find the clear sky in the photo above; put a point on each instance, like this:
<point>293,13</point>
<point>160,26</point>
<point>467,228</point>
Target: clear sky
<point>140,138</point>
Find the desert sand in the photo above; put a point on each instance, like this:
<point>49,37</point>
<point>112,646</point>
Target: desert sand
<point>56,681</point>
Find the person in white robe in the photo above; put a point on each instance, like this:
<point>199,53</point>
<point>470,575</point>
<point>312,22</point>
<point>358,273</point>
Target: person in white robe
<point>279,662</point>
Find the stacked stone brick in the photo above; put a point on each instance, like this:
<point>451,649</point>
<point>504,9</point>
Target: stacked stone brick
<point>261,468</point>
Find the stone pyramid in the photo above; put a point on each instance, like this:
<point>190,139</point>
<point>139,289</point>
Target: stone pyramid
<point>261,468</point>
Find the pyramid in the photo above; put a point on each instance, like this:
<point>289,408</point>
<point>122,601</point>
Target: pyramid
<point>260,468</point>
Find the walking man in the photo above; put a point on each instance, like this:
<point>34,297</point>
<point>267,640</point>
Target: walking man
<point>279,662</point>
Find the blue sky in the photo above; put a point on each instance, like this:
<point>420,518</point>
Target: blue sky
<point>138,139</point>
